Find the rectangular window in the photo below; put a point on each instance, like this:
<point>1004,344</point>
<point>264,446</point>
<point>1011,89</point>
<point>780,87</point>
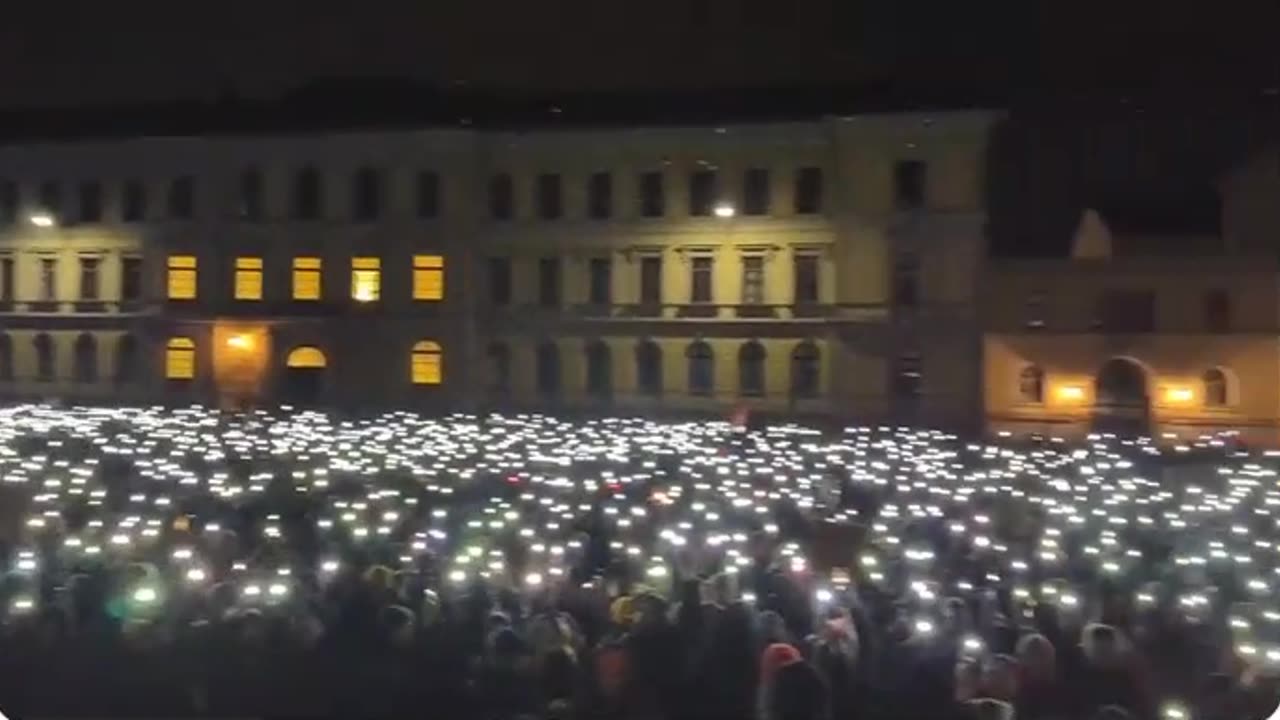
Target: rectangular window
<point>424,364</point>
<point>1127,311</point>
<point>550,206</point>
<point>909,179</point>
<point>133,201</point>
<point>6,279</point>
<point>653,201</point>
<point>182,277</point>
<point>500,281</point>
<point>8,201</point>
<point>428,277</point>
<point>182,198</point>
<point>651,280</point>
<point>702,192</point>
<point>366,279</point>
<point>501,197</point>
<point>250,206</point>
<point>806,279</point>
<point>753,280</point>
<point>131,279</point>
<point>51,198</point>
<point>1217,311</point>
<point>808,191</point>
<point>700,280</point>
<point>248,285</point>
<point>755,192</point>
<point>89,278</point>
<point>306,278</point>
<point>308,194</point>
<point>549,281</point>
<point>906,282</point>
<point>600,290</point>
<point>48,279</point>
<point>600,196</point>
<point>366,195</point>
<point>427,191</point>
<point>180,360</point>
<point>90,202</point>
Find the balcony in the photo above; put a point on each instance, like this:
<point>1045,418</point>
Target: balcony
<point>743,318</point>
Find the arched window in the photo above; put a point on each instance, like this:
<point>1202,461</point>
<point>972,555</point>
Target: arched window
<point>1031,384</point>
<point>306,356</point>
<point>648,368</point>
<point>701,368</point>
<point>86,359</point>
<point>751,369</point>
<point>547,369</point>
<point>499,367</point>
<point>599,368</point>
<point>180,359</point>
<point>127,359</point>
<point>6,358</point>
<point>805,370</point>
<point>1215,387</point>
<point>426,366</point>
<point>44,357</point>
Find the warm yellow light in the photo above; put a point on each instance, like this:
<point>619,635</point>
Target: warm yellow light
<point>1179,394</point>
<point>1070,392</point>
<point>725,210</point>
<point>240,342</point>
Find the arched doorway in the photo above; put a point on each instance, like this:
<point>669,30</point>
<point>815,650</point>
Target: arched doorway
<point>1121,401</point>
<point>304,375</point>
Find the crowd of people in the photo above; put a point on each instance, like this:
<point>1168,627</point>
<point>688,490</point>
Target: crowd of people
<point>162,561</point>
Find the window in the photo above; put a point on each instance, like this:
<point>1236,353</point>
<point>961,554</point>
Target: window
<point>906,284</point>
<point>549,201</point>
<point>308,194</point>
<point>549,281</point>
<point>6,279</point>
<point>600,285</point>
<point>426,366</point>
<point>753,280</point>
<point>501,197</point>
<point>248,284</point>
<point>133,202</point>
<point>8,201</point>
<point>427,191</point>
<point>428,277</point>
<point>808,191</point>
<point>702,192</point>
<point>89,278</point>
<point>599,369</point>
<point>652,195</point>
<point>90,202</point>
<point>250,206</point>
<point>600,196</point>
<point>907,378</point>
<point>651,280</point>
<point>1217,311</point>
<point>180,359</point>
<point>751,369</point>
<point>306,278</point>
<point>1215,388</point>
<point>805,370</point>
<point>44,357</point>
<point>182,198</point>
<point>500,281</point>
<point>806,279</point>
<point>909,178</point>
<point>85,359</point>
<point>6,358</point>
<point>1035,311</point>
<point>127,359</point>
<point>547,369</point>
<point>366,279</point>
<point>131,279</point>
<point>51,198</point>
<point>700,279</point>
<point>1031,385</point>
<point>1126,311</point>
<point>701,368</point>
<point>48,279</point>
<point>499,368</point>
<point>755,192</point>
<point>649,368</point>
<point>366,194</point>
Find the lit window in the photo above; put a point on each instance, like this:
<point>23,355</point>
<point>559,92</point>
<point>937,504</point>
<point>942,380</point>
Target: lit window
<point>428,277</point>
<point>306,278</point>
<point>180,359</point>
<point>366,279</point>
<point>425,366</point>
<point>248,278</point>
<point>182,277</point>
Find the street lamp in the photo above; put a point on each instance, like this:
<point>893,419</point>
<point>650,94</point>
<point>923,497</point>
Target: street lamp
<point>43,220</point>
<point>240,342</point>
<point>725,210</point>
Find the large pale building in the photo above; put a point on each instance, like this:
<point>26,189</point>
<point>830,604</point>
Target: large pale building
<point>826,266</point>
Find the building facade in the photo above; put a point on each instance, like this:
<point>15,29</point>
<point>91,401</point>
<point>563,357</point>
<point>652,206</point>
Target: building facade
<point>826,267</point>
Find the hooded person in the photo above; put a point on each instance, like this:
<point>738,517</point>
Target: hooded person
<point>1039,688</point>
<point>797,693</point>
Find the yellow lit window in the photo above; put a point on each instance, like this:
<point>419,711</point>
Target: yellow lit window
<point>306,278</point>
<point>366,279</point>
<point>182,277</point>
<point>248,278</point>
<point>180,359</point>
<point>428,277</point>
<point>426,366</point>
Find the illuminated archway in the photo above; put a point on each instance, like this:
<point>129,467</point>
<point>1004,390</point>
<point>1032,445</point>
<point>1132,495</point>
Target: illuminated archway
<point>306,357</point>
<point>304,370</point>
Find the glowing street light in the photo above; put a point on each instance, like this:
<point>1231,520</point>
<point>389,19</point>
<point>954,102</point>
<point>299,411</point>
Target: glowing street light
<point>240,342</point>
<point>43,220</point>
<point>725,210</point>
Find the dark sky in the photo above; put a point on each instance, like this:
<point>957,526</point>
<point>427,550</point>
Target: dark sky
<point>60,52</point>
